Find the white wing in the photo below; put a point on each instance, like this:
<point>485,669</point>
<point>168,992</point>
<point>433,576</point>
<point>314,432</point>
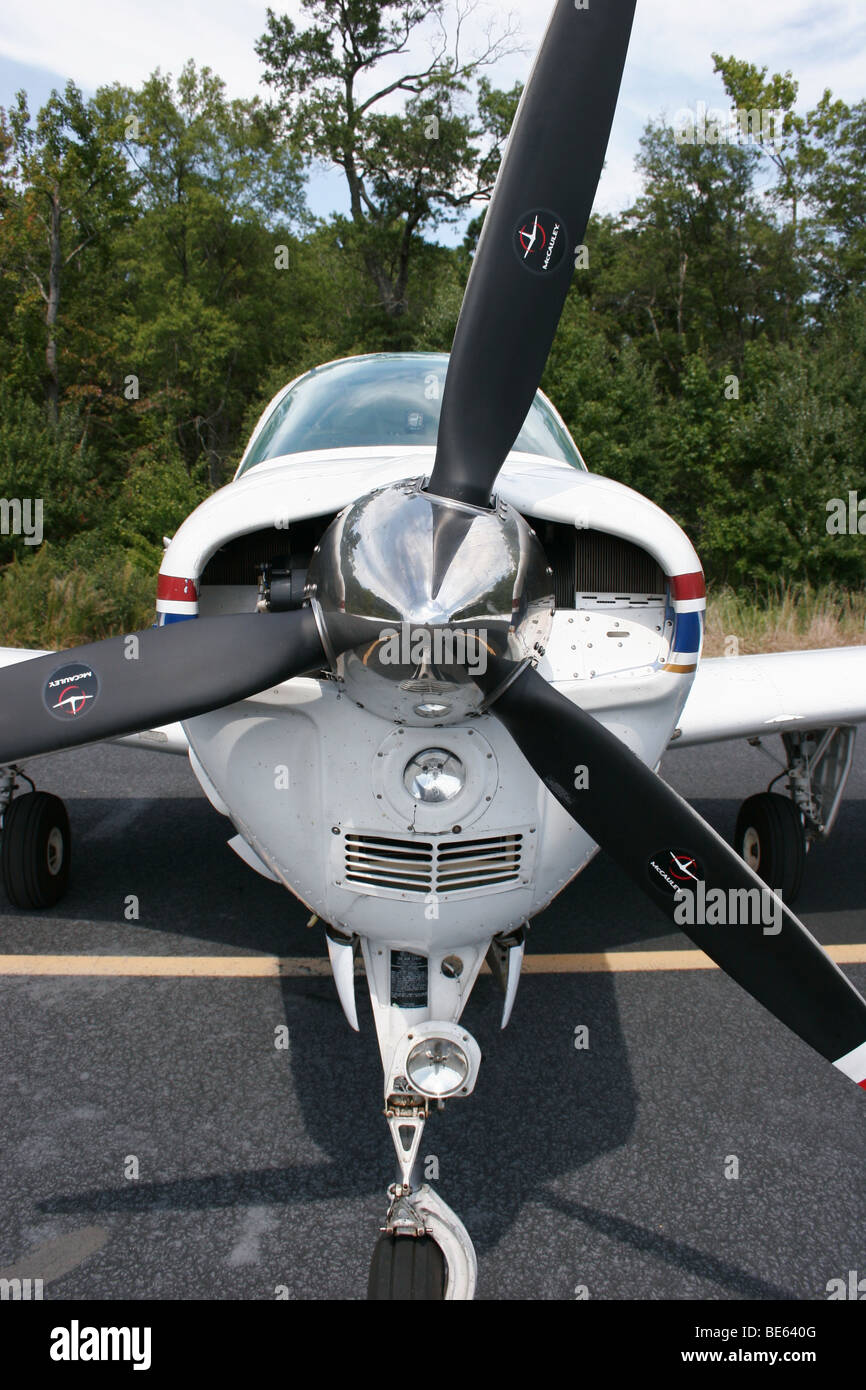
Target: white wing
<point>747,696</point>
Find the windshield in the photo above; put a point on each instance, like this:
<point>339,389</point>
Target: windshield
<point>385,401</point>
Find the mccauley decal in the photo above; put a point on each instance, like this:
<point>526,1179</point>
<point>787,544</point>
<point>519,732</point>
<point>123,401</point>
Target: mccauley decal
<point>540,241</point>
<point>70,691</point>
<point>670,870</point>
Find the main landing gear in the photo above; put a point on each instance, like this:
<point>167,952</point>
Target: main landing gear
<point>775,833</point>
<point>771,839</point>
<point>35,845</point>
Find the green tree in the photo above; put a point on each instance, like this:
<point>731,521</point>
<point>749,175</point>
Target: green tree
<point>406,171</point>
<point>697,263</point>
<point>767,119</point>
<point>836,182</point>
<point>67,188</point>
<point>209,268</point>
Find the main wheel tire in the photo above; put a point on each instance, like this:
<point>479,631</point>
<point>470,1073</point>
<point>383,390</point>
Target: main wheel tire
<point>771,839</point>
<point>35,850</point>
<point>407,1268</point>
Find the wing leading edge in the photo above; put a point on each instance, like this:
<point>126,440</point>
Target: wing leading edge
<point>750,696</point>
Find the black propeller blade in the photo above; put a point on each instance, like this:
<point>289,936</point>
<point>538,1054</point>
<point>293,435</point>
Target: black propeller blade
<point>663,845</point>
<point>526,254</point>
<point>125,684</point>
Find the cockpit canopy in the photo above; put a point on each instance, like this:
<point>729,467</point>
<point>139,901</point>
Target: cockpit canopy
<point>385,400</point>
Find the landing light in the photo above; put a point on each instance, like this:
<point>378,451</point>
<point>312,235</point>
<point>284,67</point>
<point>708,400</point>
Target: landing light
<point>437,1067</point>
<point>434,776</point>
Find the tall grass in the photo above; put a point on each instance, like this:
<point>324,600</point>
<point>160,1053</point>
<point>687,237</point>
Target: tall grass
<point>47,603</point>
<point>785,619</point>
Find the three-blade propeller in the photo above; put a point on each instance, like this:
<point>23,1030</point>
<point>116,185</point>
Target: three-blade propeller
<point>513,303</point>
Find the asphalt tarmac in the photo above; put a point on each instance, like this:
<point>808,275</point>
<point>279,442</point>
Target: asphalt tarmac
<point>156,1144</point>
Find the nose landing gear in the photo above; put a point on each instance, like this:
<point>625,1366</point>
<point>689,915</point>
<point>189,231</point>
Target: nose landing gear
<point>424,1252</point>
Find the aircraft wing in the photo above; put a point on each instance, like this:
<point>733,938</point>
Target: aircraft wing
<point>749,696</point>
<point>169,738</point>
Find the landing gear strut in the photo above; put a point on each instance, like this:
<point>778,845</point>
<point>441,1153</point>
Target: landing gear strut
<point>429,1059</point>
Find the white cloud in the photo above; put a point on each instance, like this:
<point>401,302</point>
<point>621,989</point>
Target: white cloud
<point>669,65</point>
<point>95,42</point>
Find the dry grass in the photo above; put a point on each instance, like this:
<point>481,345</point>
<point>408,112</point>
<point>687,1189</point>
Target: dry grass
<point>784,621</point>
<point>45,604</point>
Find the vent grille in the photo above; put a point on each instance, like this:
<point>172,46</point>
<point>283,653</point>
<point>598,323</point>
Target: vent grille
<point>593,562</point>
<point>478,863</point>
<point>405,865</point>
<point>609,565</point>
<point>417,867</point>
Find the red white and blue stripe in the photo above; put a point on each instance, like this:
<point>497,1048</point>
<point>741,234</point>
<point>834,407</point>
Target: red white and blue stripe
<point>687,609</point>
<point>176,600</point>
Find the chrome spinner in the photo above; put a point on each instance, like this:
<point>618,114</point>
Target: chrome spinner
<point>449,585</point>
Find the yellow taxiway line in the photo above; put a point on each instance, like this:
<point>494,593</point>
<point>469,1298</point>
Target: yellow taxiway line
<point>290,967</point>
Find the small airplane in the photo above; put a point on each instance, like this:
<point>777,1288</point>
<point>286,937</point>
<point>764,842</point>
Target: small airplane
<point>427,664</point>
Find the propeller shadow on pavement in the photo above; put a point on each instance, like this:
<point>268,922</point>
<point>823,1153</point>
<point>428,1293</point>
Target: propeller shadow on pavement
<point>541,1111</point>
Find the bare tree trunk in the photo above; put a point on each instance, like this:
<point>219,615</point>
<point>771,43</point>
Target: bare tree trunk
<point>52,387</point>
<point>658,336</point>
<point>388,295</point>
<point>214,468</point>
<point>402,282</point>
<point>373,264</point>
<point>684,260</point>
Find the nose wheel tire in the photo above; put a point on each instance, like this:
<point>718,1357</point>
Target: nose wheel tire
<point>407,1269</point>
<point>771,839</point>
<point>35,850</point>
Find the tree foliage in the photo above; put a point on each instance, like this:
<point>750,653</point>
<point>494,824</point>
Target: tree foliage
<point>408,169</point>
<point>161,278</point>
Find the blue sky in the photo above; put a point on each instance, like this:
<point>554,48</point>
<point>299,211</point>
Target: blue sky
<point>669,67</point>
